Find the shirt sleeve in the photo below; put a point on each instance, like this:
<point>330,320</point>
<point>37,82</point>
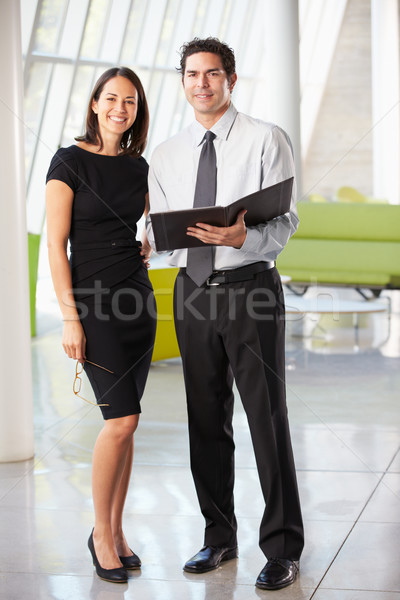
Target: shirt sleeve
<point>63,167</point>
<point>269,239</point>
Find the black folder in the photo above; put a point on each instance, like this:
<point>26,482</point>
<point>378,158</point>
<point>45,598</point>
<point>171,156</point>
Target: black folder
<point>170,227</point>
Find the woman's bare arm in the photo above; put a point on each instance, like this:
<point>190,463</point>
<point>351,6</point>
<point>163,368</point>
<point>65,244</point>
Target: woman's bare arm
<point>59,200</point>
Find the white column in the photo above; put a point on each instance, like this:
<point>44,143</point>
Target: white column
<point>281,47</point>
<point>385,99</point>
<point>16,413</point>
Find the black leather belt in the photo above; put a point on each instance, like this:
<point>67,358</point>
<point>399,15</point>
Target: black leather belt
<point>240,274</point>
<point>123,243</point>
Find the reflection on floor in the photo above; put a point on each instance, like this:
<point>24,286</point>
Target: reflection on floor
<point>343,404</point>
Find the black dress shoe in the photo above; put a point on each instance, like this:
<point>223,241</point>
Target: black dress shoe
<point>131,562</point>
<point>277,574</point>
<point>209,558</point>
<point>118,575</point>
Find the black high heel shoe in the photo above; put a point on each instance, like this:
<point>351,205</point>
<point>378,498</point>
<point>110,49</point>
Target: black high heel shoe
<point>118,575</point>
<point>131,562</point>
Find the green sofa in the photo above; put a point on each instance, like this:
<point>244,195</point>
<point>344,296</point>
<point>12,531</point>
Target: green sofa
<point>356,245</point>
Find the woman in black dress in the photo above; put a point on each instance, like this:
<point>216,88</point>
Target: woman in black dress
<point>96,192</point>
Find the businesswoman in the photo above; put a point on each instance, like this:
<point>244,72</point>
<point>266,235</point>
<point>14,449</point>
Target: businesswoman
<point>95,194</point>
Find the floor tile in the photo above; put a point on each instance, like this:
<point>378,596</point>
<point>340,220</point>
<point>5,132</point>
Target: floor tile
<point>324,594</point>
<point>330,448</point>
<point>335,496</point>
<point>384,506</point>
<point>395,466</point>
<point>64,587</point>
<point>369,560</point>
<point>345,424</point>
<point>8,484</point>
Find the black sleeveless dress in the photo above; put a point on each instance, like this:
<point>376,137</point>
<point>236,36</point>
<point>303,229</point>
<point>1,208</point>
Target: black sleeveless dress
<point>112,290</point>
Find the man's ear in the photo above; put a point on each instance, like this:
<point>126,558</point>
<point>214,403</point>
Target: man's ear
<point>232,82</point>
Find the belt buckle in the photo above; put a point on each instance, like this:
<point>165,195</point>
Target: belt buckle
<point>209,283</point>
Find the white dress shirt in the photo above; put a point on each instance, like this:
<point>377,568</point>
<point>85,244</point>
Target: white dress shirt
<point>251,155</point>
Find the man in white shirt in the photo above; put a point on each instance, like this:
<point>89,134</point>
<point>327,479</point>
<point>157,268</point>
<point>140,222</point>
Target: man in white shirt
<point>233,324</point>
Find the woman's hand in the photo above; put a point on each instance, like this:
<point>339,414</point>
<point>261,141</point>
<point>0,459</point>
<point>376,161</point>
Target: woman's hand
<point>145,252</point>
<point>74,340</point>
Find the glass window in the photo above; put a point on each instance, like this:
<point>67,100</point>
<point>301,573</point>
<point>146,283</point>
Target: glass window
<point>28,11</point>
<point>94,29</point>
<point>150,35</point>
<point>34,104</point>
<point>165,104</point>
<point>166,35</point>
<point>76,115</point>
<point>111,46</point>
<point>73,28</point>
<point>50,21</point>
<point>49,137</point>
<point>133,33</point>
<point>71,42</point>
<point>182,30</point>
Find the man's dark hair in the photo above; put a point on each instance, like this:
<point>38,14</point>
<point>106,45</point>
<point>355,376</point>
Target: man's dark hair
<point>213,45</point>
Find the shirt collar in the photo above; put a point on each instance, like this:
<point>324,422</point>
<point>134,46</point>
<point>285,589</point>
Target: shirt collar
<point>221,128</point>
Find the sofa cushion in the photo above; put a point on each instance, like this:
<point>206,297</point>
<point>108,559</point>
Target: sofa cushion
<point>349,221</point>
<point>341,261</point>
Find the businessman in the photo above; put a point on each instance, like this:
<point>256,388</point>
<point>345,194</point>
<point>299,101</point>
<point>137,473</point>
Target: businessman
<point>229,310</point>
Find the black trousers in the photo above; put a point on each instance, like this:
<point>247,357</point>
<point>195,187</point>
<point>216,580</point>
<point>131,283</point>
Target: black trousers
<point>237,330</point>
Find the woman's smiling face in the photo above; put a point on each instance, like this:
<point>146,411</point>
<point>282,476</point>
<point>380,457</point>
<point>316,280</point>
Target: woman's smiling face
<point>116,107</point>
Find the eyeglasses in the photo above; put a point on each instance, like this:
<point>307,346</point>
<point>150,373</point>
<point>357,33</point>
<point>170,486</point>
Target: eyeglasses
<point>78,381</point>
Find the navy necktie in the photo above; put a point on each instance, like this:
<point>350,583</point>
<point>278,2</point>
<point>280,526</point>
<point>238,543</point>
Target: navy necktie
<point>200,260</point>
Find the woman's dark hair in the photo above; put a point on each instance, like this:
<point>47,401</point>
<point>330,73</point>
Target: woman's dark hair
<point>134,140</point>
<point>213,45</point>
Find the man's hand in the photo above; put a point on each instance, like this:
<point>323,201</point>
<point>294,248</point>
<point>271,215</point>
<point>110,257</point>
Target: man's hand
<point>234,235</point>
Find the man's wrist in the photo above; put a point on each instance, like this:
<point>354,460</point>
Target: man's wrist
<point>241,242</point>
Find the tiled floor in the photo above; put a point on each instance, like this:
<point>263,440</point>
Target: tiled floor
<point>343,404</point>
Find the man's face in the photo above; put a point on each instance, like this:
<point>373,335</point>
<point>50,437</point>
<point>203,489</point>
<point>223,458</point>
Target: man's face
<point>207,87</point>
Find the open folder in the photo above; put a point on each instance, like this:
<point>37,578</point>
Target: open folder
<point>170,227</point>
